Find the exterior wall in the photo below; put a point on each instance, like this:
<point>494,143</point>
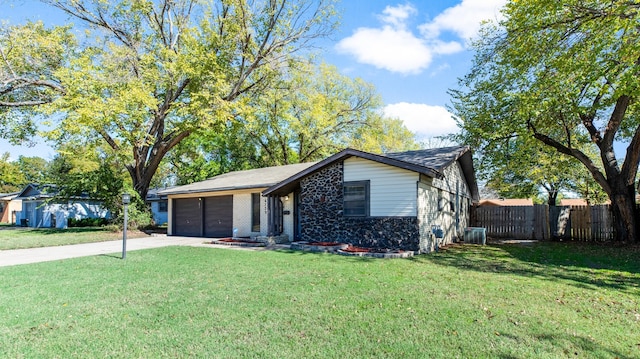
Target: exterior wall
<point>43,215</point>
<point>242,215</point>
<point>321,219</point>
<point>11,207</point>
<point>159,217</point>
<point>454,196</point>
<point>392,190</point>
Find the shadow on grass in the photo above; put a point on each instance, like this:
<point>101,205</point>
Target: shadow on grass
<point>358,259</point>
<point>67,230</point>
<point>584,265</point>
<point>575,346</point>
<point>114,256</point>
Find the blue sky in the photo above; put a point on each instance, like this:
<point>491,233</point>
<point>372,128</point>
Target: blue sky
<point>412,51</point>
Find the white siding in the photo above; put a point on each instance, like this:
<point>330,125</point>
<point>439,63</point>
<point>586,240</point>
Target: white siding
<point>42,215</point>
<point>454,194</point>
<point>393,191</point>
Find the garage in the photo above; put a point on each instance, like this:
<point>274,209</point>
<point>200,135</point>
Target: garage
<point>203,216</point>
<point>218,214</point>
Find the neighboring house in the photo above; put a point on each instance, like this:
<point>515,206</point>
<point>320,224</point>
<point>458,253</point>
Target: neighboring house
<point>10,207</point>
<point>39,209</point>
<point>159,205</point>
<point>499,202</point>
<point>386,201</point>
<point>573,202</point>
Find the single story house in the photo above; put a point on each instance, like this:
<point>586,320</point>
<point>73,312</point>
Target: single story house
<point>394,201</point>
<point>159,205</point>
<point>10,207</point>
<point>41,210</point>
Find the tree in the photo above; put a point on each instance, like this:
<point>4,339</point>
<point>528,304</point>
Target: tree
<point>84,170</point>
<point>34,169</point>
<point>309,113</point>
<point>313,111</point>
<point>566,74</point>
<point>522,167</point>
<point>11,179</point>
<point>29,56</point>
<point>159,71</point>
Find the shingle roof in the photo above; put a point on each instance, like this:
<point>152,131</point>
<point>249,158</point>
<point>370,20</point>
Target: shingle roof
<point>255,178</point>
<point>434,158</point>
<point>430,162</point>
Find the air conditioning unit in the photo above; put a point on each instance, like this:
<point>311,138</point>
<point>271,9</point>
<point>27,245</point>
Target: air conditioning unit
<point>475,235</point>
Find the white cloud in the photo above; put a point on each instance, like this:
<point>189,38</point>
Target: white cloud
<point>396,48</point>
<point>396,16</point>
<point>463,19</point>
<point>424,120</point>
<point>388,48</point>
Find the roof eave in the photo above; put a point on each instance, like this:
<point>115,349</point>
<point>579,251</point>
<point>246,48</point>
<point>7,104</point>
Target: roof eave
<point>220,189</point>
<point>288,185</point>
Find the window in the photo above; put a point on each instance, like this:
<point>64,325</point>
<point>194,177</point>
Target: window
<point>162,206</point>
<point>356,199</point>
<point>255,212</point>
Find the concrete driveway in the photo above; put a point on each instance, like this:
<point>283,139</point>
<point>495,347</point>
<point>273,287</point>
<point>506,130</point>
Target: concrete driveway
<point>45,254</point>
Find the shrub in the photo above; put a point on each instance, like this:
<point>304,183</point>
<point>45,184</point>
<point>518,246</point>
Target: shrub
<point>87,222</point>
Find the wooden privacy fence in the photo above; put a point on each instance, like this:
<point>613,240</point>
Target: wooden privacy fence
<point>583,223</point>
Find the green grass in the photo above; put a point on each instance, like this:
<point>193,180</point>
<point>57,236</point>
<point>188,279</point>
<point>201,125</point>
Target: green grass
<point>544,301</point>
<point>17,237</point>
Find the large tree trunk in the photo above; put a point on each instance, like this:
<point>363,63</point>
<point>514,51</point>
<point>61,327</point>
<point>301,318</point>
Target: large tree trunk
<point>619,184</point>
<point>552,197</point>
<point>623,205</point>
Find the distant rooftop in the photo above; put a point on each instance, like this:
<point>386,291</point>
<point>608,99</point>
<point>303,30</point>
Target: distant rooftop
<point>506,202</point>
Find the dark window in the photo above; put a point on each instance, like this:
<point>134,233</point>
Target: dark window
<point>255,212</point>
<point>162,206</point>
<point>356,199</point>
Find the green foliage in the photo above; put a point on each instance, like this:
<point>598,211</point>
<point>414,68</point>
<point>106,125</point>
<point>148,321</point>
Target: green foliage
<point>309,113</point>
<point>34,169</point>
<point>30,54</point>
<point>87,171</point>
<point>566,74</point>
<point>157,71</point>
<point>138,212</point>
<point>87,222</point>
<point>11,179</point>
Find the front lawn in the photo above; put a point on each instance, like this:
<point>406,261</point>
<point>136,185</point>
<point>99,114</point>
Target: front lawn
<point>543,301</point>
<point>18,237</point>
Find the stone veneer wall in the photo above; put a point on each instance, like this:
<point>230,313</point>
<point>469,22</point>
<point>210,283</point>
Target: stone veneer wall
<point>321,217</point>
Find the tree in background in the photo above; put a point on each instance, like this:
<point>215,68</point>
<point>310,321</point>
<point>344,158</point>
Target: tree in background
<point>310,112</point>
<point>566,74</point>
<point>521,167</point>
<point>11,179</point>
<point>34,169</point>
<point>152,73</point>
<point>29,56</point>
